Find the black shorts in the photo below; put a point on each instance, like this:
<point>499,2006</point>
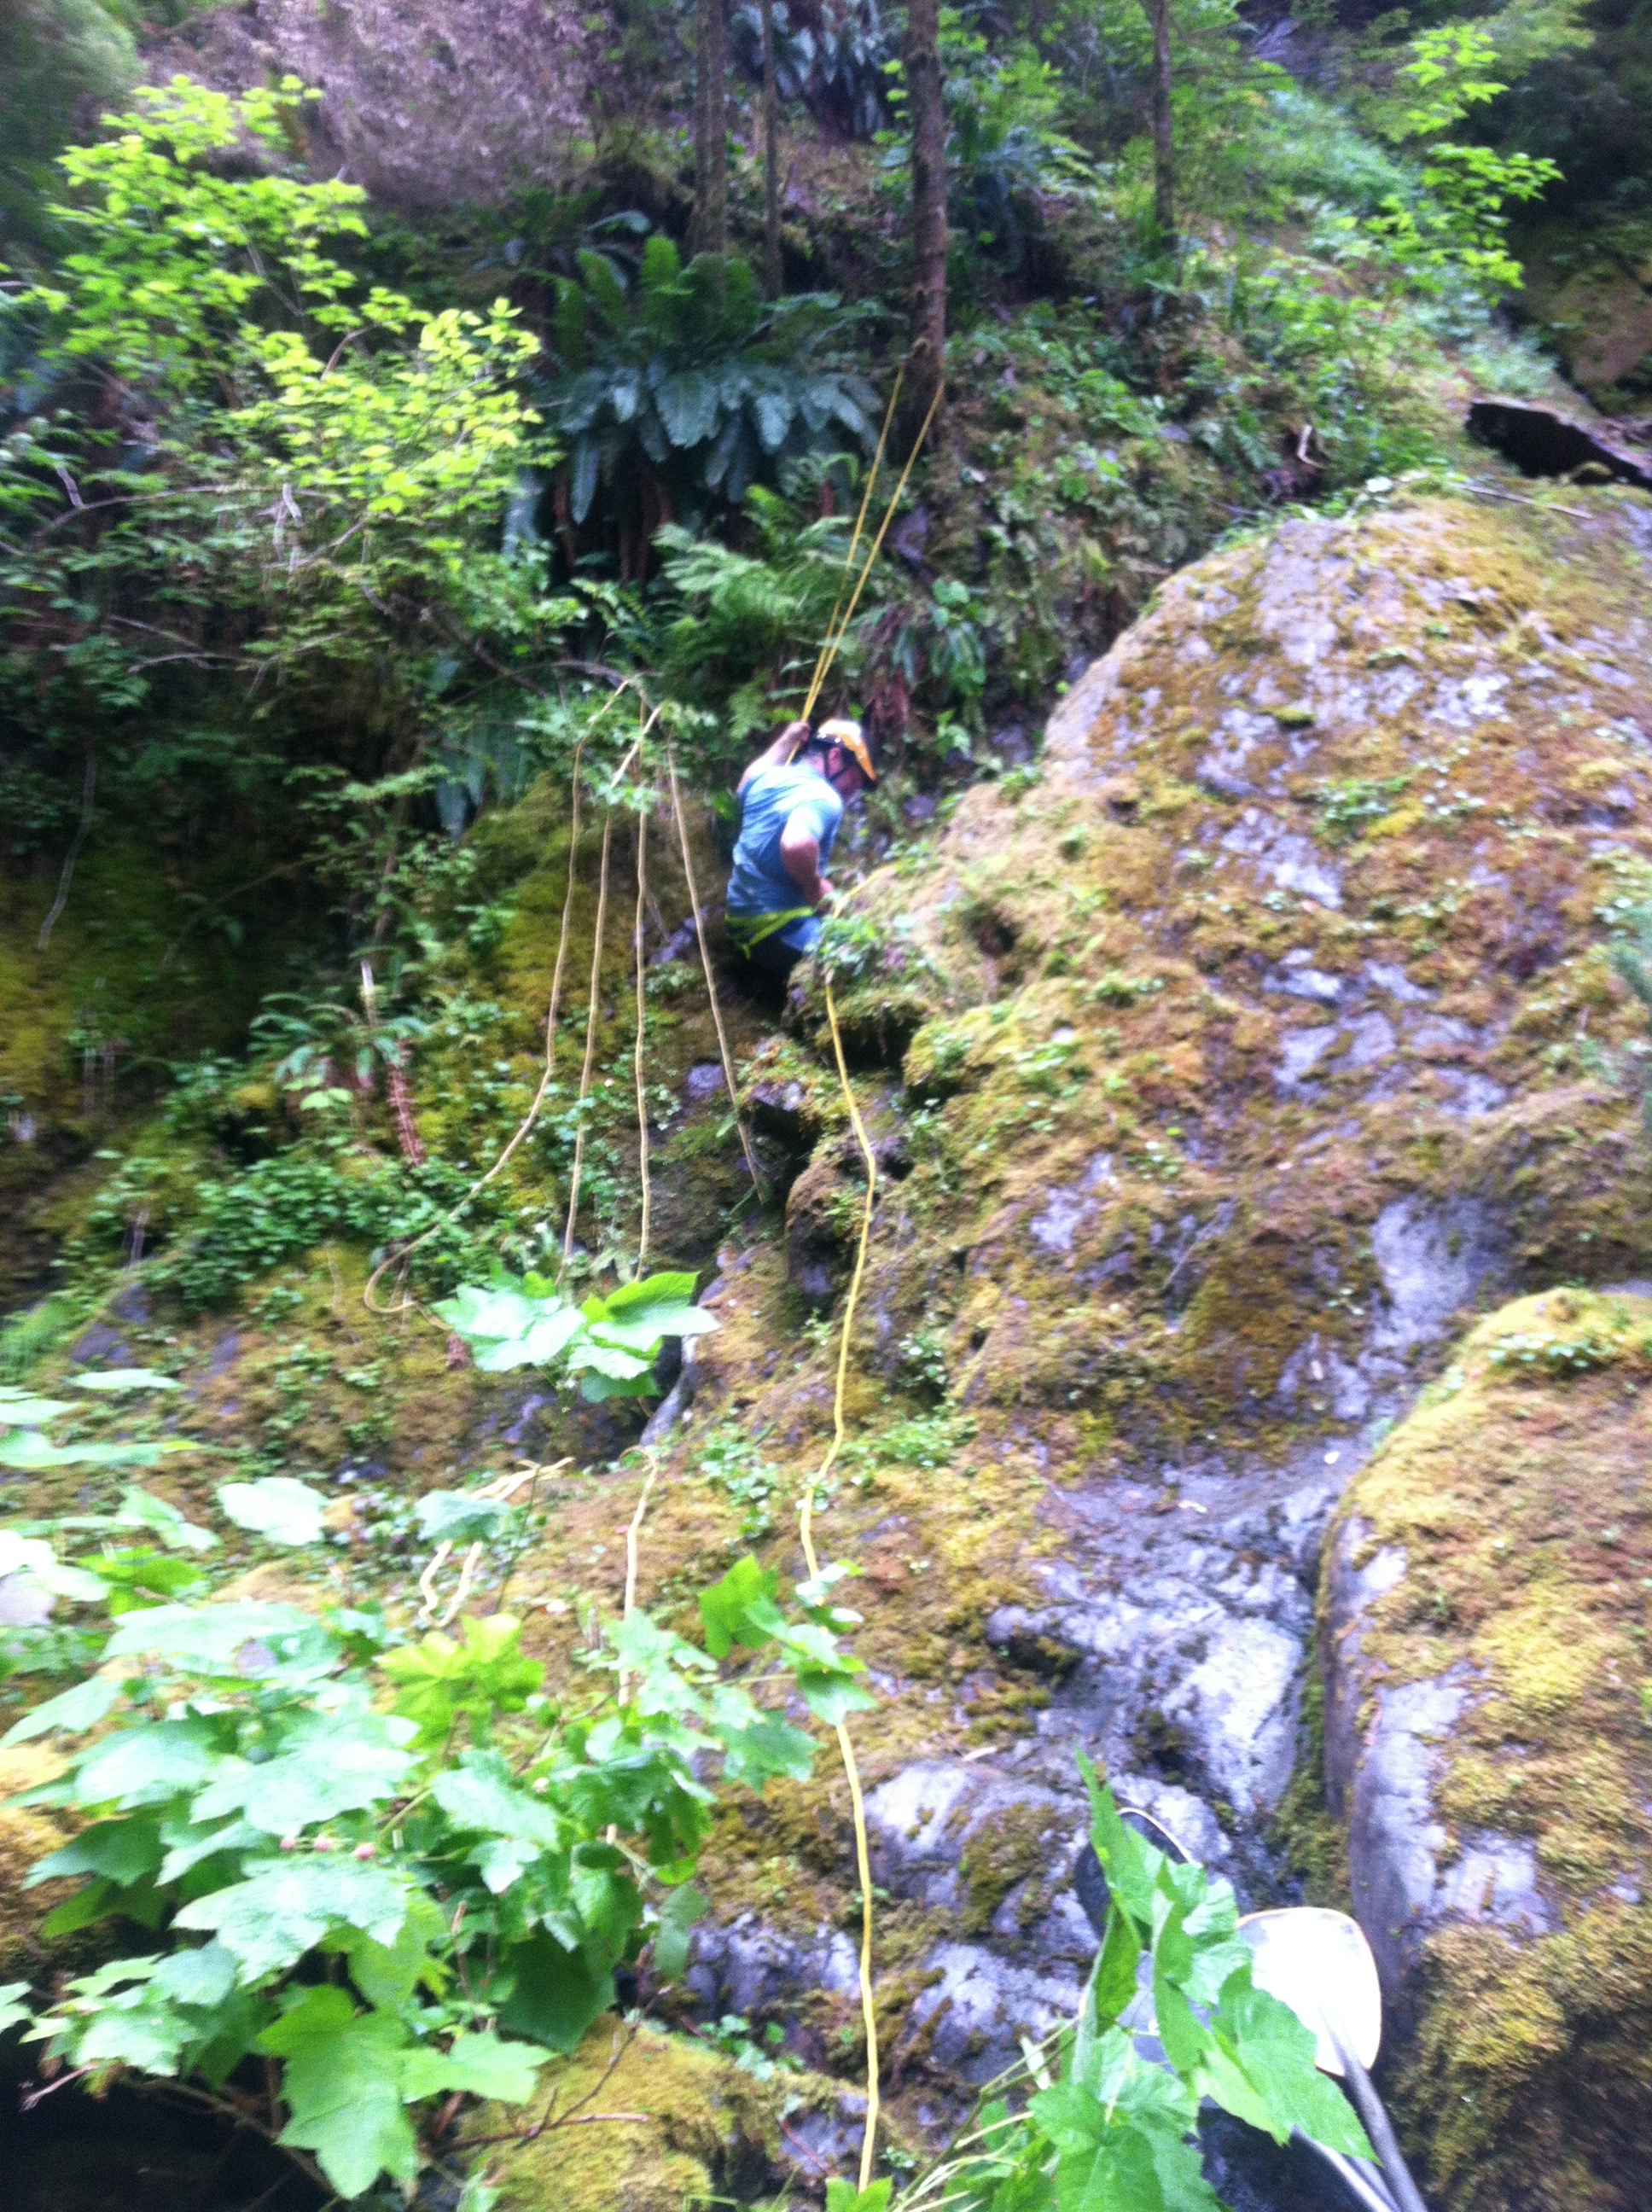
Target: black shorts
<point>774,956</point>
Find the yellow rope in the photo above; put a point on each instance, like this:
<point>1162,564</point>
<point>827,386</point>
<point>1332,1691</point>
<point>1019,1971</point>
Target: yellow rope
<point>863,1860</point>
<point>643,1095</point>
<point>622,1680</point>
<point>593,1017</point>
<point>532,1114</point>
<point>757,1177</point>
<point>854,537</point>
<point>829,652</point>
<point>591,1011</point>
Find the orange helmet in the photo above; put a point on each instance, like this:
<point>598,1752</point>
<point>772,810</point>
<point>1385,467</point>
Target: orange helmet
<point>841,731</point>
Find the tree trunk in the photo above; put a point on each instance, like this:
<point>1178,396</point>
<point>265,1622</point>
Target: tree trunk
<point>1164,205</point>
<point>927,373</point>
<point>710,230</point>
<point>771,158</point>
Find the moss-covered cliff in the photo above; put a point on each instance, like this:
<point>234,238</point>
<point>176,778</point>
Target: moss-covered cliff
<point>1486,1619</point>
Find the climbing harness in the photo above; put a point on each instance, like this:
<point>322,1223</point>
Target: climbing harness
<point>746,932</point>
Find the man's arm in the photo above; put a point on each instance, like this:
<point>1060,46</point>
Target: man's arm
<point>800,856</point>
<point>779,755</point>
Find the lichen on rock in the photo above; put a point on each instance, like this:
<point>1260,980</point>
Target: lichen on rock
<point>1484,1624</point>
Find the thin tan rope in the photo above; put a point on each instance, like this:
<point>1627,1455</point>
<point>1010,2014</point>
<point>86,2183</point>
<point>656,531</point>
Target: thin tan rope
<point>552,1010</point>
<point>855,536</point>
<point>829,651</point>
<point>642,1024</point>
<point>759,1180</point>
<point>623,1682</point>
<point>863,1857</point>
<point>592,1019</point>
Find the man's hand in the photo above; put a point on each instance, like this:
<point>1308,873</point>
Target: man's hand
<point>780,754</point>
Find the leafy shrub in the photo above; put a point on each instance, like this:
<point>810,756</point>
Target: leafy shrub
<point>242,1225</point>
<point>752,619</point>
<point>679,391</point>
<point>393,1904</point>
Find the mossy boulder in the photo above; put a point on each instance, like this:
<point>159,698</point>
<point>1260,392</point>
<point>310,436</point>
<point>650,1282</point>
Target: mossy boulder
<point>1275,1031</point>
<point>1484,1627</point>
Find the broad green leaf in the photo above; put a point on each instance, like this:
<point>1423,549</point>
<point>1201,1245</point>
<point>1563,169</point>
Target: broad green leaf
<point>73,1711</point>
<point>33,1557</point>
<point>215,1637</point>
<point>285,1907</point>
<point>1260,2067</point>
<point>674,1930</point>
<point>481,1794</point>
<point>387,1974</point>
<point>644,1334</point>
<point>1070,2115</point>
<point>843,2195</point>
<point>1131,1866</point>
<point>26,1450</point>
<point>667,1288</point>
<point>118,1379</point>
<point>198,1977</point>
<point>122,1851</point>
<point>1114,1982</point>
<point>313,1782</point>
<point>832,1697</point>
<point>146,1765</point>
<point>141,1575</point>
<point>555,1992</point>
<point>14,2009</point>
<point>724,1608</point>
<point>341,2086</point>
<point>767,1748</point>
<point>103,1900</point>
<point>279,1507</point>
<point>190,1846</point>
<point>139,2027</point>
<point>459,1517</point>
<point>479,2064</point>
<point>21,1409</point>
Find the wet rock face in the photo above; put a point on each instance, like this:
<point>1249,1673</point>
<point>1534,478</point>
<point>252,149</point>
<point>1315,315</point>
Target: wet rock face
<point>1258,1055</point>
<point>1483,1620</point>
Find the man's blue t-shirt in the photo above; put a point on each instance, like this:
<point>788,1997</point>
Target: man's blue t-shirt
<point>759,882</point>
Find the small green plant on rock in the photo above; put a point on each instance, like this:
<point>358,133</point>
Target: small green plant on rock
<point>608,1344</point>
<point>1106,2127</point>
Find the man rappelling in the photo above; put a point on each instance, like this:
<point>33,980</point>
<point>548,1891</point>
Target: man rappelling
<point>791,801</point>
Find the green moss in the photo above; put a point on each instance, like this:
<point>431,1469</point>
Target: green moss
<point>694,2129</point>
<point>1013,1847</point>
<point>1517,1492</point>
